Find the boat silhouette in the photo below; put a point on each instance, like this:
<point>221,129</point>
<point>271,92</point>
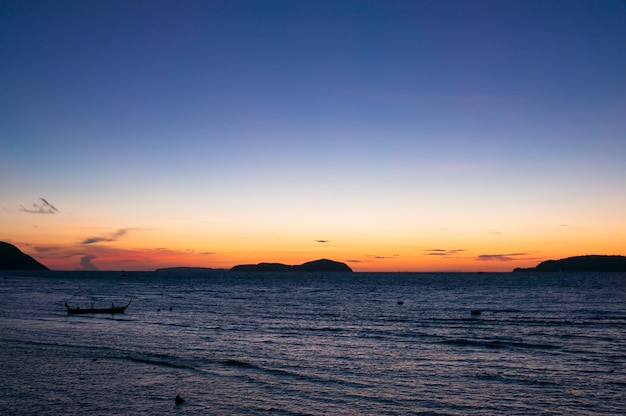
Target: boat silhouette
<point>80,311</point>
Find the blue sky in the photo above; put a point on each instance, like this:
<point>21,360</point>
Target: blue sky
<point>340,114</point>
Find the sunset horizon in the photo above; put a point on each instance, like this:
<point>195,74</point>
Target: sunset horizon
<point>114,259</point>
<point>402,136</point>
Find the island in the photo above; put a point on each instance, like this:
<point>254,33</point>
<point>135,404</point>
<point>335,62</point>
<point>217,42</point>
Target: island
<point>188,269</point>
<point>322,265</point>
<point>12,258</point>
<point>589,263</point>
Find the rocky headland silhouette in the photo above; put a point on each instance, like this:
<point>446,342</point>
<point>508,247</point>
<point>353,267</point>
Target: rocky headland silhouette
<point>589,263</point>
<point>12,258</point>
<point>322,265</point>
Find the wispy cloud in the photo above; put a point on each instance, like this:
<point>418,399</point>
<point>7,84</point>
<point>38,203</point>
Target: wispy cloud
<point>322,241</point>
<point>443,252</point>
<point>107,238</point>
<point>571,227</point>
<point>378,257</point>
<point>501,257</point>
<point>41,207</point>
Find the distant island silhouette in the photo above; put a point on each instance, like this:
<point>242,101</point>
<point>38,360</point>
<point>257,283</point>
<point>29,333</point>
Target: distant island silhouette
<point>589,263</point>
<point>322,265</point>
<point>12,258</point>
<point>189,269</point>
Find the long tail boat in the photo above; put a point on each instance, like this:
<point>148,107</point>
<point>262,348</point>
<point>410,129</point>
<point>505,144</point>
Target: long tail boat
<point>80,311</point>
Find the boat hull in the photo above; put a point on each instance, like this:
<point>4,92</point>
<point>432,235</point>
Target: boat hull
<point>79,311</point>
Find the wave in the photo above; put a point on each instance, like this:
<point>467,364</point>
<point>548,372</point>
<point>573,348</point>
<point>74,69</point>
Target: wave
<point>107,352</point>
<point>323,329</point>
<point>517,380</point>
<point>498,344</point>
<point>157,362</point>
<point>239,364</point>
<point>311,378</point>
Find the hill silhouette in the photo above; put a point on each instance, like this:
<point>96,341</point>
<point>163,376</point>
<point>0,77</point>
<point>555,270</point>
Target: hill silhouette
<point>590,263</point>
<point>322,265</point>
<point>188,269</point>
<point>12,258</point>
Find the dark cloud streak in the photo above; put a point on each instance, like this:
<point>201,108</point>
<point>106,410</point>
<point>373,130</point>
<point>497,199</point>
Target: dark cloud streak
<point>444,253</point>
<point>500,257</point>
<point>44,207</point>
<point>109,238</point>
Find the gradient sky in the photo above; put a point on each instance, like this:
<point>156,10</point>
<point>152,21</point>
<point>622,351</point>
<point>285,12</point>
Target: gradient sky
<point>390,135</point>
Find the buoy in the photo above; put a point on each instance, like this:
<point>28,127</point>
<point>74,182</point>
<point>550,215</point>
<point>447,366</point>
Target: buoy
<point>400,302</point>
<point>179,399</point>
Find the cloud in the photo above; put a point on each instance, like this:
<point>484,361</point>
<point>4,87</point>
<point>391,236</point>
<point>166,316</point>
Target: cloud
<point>444,253</point>
<point>108,257</point>
<point>500,257</point>
<point>107,238</point>
<point>86,263</point>
<point>322,241</point>
<point>43,207</point>
<point>382,257</point>
<point>571,227</point>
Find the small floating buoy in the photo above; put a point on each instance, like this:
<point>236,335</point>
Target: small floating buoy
<point>158,309</point>
<point>400,302</point>
<point>170,309</point>
<point>179,399</point>
<point>475,312</point>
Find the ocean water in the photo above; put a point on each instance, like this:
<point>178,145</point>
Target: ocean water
<point>313,344</point>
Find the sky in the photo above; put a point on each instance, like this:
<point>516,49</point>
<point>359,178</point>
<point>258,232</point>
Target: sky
<point>389,135</point>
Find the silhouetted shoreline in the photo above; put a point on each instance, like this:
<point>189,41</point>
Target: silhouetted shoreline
<point>322,265</point>
<point>12,258</point>
<point>589,263</point>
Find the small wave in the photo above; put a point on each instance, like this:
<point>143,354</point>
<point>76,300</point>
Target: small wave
<point>610,318</point>
<point>517,380</point>
<point>157,362</point>
<point>325,329</point>
<point>395,319</point>
<point>238,364</point>
<point>498,344</point>
<point>509,310</point>
<point>288,373</point>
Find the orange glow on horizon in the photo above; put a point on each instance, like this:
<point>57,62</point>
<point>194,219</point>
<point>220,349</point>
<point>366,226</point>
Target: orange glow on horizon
<point>435,250</point>
<point>108,258</point>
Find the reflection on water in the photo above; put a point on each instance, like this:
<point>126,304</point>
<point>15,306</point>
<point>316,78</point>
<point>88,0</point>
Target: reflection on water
<point>314,344</point>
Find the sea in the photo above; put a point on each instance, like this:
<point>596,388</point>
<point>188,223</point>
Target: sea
<point>235,343</point>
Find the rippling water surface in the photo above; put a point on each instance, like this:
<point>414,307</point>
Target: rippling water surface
<point>313,344</point>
